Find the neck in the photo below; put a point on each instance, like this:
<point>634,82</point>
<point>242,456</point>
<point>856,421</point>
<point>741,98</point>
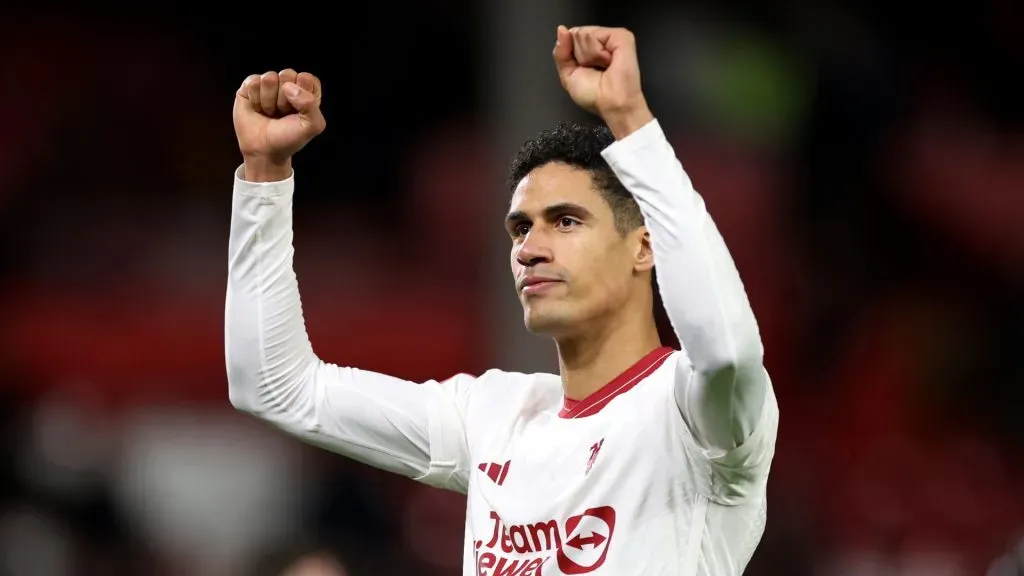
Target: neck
<point>589,362</point>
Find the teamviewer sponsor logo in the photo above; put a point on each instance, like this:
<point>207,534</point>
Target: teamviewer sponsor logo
<point>578,545</point>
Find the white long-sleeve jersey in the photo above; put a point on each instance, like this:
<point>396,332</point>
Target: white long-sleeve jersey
<point>662,471</point>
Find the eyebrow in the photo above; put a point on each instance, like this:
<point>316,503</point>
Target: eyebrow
<point>551,212</point>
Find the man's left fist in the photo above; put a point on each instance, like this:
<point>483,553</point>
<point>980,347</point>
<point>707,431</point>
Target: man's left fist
<point>598,67</point>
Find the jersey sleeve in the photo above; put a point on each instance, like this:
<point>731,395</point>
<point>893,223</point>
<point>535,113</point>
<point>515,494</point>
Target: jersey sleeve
<point>722,391</point>
<point>739,471</point>
<point>413,429</point>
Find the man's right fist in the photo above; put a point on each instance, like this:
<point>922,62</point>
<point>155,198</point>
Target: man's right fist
<point>276,114</point>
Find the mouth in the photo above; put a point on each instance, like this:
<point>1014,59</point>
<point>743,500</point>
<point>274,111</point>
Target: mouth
<point>533,286</point>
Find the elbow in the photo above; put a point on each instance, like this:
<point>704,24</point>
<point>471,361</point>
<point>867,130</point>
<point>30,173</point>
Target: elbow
<point>740,387</point>
<point>242,389</point>
<point>283,398</point>
<point>242,361</point>
<point>245,376</point>
<point>241,403</point>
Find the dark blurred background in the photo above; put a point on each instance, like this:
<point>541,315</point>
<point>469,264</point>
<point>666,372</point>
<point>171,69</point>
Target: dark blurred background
<point>864,161</point>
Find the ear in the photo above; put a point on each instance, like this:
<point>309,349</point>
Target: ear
<point>644,257</point>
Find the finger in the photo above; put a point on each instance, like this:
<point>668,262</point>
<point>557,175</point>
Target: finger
<point>307,105</point>
<point>310,83</point>
<point>243,90</point>
<point>268,93</point>
<point>283,77</point>
<point>565,63</point>
<point>598,33</point>
<point>254,94</point>
<point>300,98</point>
<point>612,40</point>
<point>589,49</point>
<point>620,39</point>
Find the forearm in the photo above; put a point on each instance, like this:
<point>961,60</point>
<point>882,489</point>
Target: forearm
<point>269,356</point>
<point>722,394</point>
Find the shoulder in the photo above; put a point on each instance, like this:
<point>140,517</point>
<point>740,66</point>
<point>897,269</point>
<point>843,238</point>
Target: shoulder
<point>659,374</point>
<point>502,388</point>
<point>499,378</point>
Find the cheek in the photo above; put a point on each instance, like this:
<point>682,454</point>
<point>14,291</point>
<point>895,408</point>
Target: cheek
<point>609,277</point>
<point>608,283</point>
<point>591,276</point>
<point>514,266</point>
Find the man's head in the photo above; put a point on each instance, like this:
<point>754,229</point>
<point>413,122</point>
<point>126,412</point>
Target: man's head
<point>574,224</point>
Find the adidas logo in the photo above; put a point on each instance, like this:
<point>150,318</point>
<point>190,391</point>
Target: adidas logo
<point>496,472</point>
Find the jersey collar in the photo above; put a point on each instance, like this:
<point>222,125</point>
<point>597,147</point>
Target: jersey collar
<point>619,385</point>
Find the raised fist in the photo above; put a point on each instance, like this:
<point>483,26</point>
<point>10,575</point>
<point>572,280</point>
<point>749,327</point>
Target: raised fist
<point>276,114</point>
<point>598,67</point>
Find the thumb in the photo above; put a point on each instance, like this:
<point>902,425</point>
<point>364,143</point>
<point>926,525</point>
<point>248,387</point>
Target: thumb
<point>306,104</point>
<point>565,61</point>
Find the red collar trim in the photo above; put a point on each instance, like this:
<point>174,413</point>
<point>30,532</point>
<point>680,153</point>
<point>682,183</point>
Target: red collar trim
<point>620,385</point>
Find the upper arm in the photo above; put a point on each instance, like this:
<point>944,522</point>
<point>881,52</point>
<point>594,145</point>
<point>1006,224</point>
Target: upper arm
<point>408,428</point>
<point>732,416</point>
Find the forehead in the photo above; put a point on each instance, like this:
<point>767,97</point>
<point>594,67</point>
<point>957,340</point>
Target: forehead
<point>556,183</point>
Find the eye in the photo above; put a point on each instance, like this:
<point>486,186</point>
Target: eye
<point>567,222</point>
<point>520,230</point>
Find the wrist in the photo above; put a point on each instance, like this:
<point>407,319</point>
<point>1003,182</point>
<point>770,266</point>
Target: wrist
<point>625,120</point>
<point>261,169</point>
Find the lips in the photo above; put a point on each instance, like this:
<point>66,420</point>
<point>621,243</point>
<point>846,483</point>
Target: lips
<point>534,284</point>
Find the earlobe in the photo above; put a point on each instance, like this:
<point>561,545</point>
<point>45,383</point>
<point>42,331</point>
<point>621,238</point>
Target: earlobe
<point>644,253</point>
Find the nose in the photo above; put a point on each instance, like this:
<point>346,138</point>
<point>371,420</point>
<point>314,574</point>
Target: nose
<point>533,250</point>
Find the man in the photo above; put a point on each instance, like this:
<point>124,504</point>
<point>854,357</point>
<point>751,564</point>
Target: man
<point>637,459</point>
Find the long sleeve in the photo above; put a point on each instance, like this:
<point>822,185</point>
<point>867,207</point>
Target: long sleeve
<point>403,427</point>
<point>723,392</point>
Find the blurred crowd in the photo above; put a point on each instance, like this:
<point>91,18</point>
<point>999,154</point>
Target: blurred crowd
<point>865,167</point>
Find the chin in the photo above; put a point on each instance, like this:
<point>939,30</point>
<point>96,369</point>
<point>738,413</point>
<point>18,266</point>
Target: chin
<point>546,323</point>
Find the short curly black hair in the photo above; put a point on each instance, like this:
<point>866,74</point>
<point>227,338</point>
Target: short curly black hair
<point>580,146</point>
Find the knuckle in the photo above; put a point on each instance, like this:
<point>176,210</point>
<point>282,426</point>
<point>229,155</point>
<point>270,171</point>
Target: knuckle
<point>268,78</point>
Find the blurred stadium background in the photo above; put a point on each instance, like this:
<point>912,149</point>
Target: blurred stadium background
<point>864,161</point>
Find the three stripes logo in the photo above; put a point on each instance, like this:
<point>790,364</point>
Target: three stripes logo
<point>496,472</point>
